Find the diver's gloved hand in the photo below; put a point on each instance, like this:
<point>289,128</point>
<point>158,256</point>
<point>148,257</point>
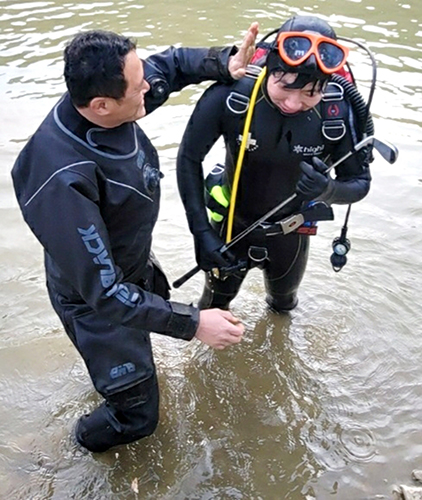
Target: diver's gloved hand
<point>207,246</point>
<point>313,180</point>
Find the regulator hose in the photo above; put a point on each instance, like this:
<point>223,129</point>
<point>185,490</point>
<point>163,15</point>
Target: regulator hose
<point>360,107</point>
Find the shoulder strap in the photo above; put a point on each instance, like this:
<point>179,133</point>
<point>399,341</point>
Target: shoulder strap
<point>334,108</point>
<point>334,111</point>
<point>239,98</point>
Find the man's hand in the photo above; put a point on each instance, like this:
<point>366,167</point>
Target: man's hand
<point>313,180</point>
<point>238,62</point>
<point>219,329</point>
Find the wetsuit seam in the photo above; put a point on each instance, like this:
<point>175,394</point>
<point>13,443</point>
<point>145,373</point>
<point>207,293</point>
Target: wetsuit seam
<point>38,191</point>
<point>127,186</point>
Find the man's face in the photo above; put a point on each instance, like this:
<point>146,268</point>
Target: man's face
<point>291,101</point>
<point>131,107</point>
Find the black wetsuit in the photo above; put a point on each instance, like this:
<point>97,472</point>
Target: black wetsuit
<point>270,171</point>
<point>91,197</point>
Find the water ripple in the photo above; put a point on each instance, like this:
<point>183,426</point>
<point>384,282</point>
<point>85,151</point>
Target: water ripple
<point>359,443</point>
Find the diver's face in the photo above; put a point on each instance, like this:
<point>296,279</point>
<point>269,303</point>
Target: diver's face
<point>291,101</point>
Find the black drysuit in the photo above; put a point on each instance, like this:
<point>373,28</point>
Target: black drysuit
<point>91,197</point>
<point>270,171</point>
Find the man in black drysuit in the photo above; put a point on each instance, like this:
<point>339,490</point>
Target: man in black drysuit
<point>286,153</point>
<point>87,183</point>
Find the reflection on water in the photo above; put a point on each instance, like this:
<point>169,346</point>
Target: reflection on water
<point>323,403</point>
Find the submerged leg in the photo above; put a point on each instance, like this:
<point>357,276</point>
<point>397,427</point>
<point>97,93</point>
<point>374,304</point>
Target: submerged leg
<point>115,423</point>
<point>219,293</point>
<point>284,272</point>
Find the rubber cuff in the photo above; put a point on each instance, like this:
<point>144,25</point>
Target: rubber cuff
<point>184,321</point>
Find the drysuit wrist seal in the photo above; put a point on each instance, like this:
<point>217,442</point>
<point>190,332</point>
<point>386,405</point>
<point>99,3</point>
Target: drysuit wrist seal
<point>184,321</point>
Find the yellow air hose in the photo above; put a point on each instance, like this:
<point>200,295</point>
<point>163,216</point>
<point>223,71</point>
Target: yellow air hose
<point>242,154</point>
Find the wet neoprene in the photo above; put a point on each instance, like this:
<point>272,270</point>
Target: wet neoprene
<point>91,197</point>
<point>271,169</point>
<point>312,181</point>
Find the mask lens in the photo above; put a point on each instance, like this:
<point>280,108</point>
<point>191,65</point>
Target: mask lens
<point>296,47</point>
<point>330,54</point>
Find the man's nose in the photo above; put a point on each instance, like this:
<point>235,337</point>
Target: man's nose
<point>145,86</point>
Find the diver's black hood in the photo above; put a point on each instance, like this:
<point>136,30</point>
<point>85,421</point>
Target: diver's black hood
<point>308,23</point>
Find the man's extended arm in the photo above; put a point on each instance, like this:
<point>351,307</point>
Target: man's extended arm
<point>173,69</point>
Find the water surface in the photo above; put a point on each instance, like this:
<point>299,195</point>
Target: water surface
<point>324,403</point>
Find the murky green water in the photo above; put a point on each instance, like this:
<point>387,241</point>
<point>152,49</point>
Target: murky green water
<point>326,403</point>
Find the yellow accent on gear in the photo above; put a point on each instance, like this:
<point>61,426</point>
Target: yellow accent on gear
<point>242,153</point>
<point>217,193</point>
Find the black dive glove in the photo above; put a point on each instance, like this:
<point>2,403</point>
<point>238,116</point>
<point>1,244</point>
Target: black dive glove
<point>207,246</point>
<point>313,180</point>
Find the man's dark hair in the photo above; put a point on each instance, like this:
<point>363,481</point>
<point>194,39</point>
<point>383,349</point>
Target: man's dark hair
<point>94,64</point>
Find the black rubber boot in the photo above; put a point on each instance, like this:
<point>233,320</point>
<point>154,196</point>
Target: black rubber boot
<point>99,430</point>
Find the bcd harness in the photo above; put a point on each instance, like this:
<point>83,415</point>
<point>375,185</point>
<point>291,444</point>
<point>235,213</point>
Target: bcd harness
<point>334,112</point>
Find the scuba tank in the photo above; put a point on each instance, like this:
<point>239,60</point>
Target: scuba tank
<point>217,196</point>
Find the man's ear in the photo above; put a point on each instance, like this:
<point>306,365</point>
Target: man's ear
<point>101,106</point>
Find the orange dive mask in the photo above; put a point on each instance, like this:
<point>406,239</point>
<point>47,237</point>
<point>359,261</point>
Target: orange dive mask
<point>295,47</point>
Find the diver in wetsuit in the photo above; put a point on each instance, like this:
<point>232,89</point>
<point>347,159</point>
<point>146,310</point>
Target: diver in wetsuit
<point>286,153</point>
<point>88,184</point>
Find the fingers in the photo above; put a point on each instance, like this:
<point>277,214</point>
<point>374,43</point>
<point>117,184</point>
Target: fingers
<point>319,165</point>
<point>219,329</point>
<point>237,329</point>
<point>238,62</point>
<point>230,257</point>
<point>220,259</point>
<point>229,317</point>
<point>234,330</point>
<point>306,168</point>
<point>254,29</point>
<point>228,341</point>
<point>250,37</point>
